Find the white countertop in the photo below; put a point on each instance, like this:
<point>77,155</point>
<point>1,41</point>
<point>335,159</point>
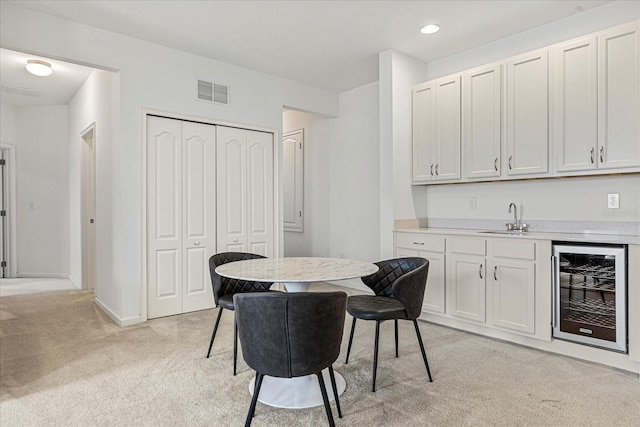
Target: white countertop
<point>532,235</point>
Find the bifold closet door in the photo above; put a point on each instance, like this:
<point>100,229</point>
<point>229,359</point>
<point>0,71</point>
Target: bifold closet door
<point>245,191</point>
<point>181,215</point>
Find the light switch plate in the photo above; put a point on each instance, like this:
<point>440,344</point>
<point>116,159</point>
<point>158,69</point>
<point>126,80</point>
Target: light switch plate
<point>472,203</point>
<point>613,200</point>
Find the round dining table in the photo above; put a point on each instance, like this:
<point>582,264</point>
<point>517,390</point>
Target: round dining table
<point>297,274</point>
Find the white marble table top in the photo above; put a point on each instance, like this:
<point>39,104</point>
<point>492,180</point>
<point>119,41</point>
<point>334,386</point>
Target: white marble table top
<point>297,270</point>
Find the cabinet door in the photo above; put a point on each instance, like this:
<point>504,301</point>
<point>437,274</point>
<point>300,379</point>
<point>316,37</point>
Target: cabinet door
<point>164,217</point>
<point>575,107</point>
<point>466,284</point>
<point>424,134</point>
<point>527,114</point>
<point>481,121</point>
<point>232,189</point>
<point>514,295</point>
<point>447,123</point>
<point>619,98</point>
<point>198,213</point>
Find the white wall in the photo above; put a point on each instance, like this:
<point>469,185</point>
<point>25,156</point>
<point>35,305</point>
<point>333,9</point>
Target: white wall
<point>93,104</point>
<point>354,184</point>
<point>574,199</point>
<point>7,124</point>
<point>158,78</point>
<point>314,240</point>
<point>42,178</point>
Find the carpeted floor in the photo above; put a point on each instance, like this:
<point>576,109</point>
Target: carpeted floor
<point>64,363</point>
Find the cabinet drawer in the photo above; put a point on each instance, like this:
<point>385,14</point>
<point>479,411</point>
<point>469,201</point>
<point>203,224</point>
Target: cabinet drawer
<point>422,242</point>
<point>514,249</point>
<point>461,245</point>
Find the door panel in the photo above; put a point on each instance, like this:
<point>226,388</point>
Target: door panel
<point>448,128</point>
<point>199,207</point>
<point>232,188</point>
<point>260,195</point>
<point>514,295</point>
<point>164,216</point>
<point>467,286</point>
<point>424,133</point>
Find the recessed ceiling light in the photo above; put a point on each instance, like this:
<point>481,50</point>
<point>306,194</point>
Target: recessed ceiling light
<point>39,68</point>
<point>430,29</point>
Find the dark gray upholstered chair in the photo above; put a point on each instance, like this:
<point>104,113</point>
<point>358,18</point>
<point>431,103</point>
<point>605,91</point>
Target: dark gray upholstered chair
<point>224,289</point>
<point>399,287</point>
<point>291,335</point>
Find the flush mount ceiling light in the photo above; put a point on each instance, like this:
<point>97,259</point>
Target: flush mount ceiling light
<point>39,68</point>
<point>430,29</point>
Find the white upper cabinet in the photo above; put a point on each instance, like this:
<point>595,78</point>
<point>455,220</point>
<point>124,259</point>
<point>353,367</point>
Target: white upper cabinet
<point>527,114</point>
<point>575,107</point>
<point>424,132</point>
<point>436,130</point>
<point>481,121</point>
<point>619,97</point>
<point>566,110</point>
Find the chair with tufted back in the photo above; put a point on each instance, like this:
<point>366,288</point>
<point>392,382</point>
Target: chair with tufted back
<point>290,335</point>
<point>225,288</point>
<point>399,287</point>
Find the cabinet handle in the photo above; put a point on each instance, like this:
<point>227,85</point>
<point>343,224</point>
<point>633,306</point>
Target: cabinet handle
<point>601,154</point>
<point>510,157</point>
<point>235,240</point>
<point>480,271</point>
<point>431,168</point>
<point>592,155</point>
<point>419,243</point>
<point>495,164</point>
<point>196,243</point>
<point>495,270</point>
<point>437,164</point>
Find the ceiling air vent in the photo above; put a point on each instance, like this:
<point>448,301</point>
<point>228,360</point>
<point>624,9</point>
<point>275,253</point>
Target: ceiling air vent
<point>213,92</point>
<point>21,91</point>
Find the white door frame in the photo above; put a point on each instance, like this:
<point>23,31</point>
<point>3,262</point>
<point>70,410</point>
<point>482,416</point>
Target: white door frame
<point>12,230</point>
<point>277,217</point>
<point>88,206</point>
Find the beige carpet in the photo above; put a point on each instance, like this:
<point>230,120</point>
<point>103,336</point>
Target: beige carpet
<point>64,363</point>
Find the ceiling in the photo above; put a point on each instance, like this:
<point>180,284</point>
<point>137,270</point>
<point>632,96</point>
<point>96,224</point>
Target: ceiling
<point>332,45</point>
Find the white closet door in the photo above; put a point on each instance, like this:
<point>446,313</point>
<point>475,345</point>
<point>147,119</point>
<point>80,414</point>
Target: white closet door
<point>260,193</point>
<point>164,217</point>
<point>198,213</point>
<point>232,189</point>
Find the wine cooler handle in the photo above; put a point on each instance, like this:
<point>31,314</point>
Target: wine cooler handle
<point>553,291</point>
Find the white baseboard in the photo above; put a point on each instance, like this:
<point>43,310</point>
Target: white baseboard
<point>127,321</point>
<point>77,283</point>
<point>43,276</point>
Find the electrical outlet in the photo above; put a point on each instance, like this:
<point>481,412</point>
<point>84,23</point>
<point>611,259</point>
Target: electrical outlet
<point>472,203</point>
<point>613,200</point>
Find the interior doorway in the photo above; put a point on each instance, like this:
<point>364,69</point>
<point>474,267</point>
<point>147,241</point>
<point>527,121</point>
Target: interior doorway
<point>88,206</point>
<point>8,249</point>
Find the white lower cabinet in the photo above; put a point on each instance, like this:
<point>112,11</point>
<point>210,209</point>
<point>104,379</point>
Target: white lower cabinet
<point>513,284</point>
<point>431,248</point>
<point>466,273</point>
<point>486,285</point>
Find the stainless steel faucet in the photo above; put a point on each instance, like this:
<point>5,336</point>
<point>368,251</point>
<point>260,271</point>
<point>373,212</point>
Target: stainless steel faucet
<point>517,225</point>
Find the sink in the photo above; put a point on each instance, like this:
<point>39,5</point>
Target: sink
<point>507,232</point>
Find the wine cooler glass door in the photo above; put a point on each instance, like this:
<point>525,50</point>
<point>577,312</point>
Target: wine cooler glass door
<point>589,291</point>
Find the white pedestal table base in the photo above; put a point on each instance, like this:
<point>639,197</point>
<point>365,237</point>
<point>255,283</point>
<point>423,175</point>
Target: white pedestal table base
<point>297,393</point>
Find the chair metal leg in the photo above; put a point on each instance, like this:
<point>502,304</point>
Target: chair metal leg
<point>396,327</point>
<point>335,390</point>
<point>215,329</point>
<point>375,356</point>
<point>235,345</point>
<point>256,390</point>
<point>424,355</point>
<point>325,398</point>
<point>353,328</point>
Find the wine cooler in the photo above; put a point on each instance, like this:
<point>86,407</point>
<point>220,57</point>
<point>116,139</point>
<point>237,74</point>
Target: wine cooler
<point>590,294</point>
